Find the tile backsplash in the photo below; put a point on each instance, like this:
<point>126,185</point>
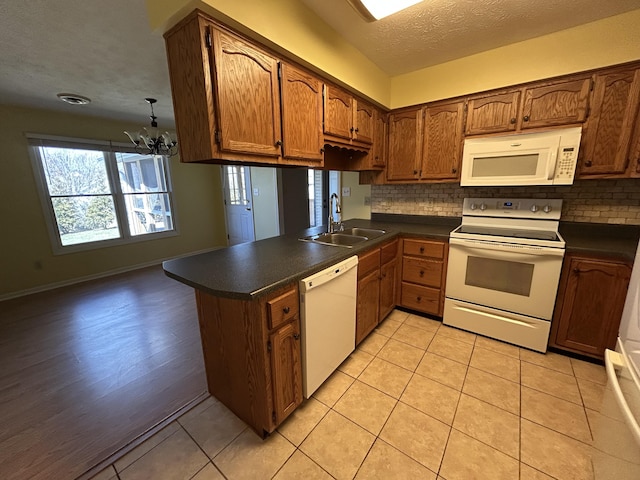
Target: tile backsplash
<point>593,201</point>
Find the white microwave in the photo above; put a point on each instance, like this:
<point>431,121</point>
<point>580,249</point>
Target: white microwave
<point>544,158</point>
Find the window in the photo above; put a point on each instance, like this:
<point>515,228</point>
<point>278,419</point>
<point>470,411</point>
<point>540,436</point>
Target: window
<point>96,193</point>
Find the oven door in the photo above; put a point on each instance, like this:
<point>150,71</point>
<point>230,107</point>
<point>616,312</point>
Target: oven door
<point>516,278</point>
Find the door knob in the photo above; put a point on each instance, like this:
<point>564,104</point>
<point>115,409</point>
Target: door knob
<point>248,209</point>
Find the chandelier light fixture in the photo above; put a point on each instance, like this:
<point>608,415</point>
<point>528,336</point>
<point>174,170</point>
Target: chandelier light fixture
<point>154,142</point>
<point>373,10</point>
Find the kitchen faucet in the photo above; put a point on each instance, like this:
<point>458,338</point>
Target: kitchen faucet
<point>332,223</point>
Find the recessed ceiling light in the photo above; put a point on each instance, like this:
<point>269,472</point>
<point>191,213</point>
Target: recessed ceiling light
<point>74,99</point>
<point>376,9</point>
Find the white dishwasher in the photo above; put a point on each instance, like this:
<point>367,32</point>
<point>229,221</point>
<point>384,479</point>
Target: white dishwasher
<point>328,318</point>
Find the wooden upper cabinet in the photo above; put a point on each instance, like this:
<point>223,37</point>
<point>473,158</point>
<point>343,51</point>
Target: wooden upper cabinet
<point>607,135</point>
<point>634,151</point>
<point>442,141</point>
<point>492,114</point>
<point>380,139</point>
<point>542,105</point>
<point>561,103</point>
<point>301,114</point>
<point>247,96</point>
<point>338,112</point>
<point>364,122</point>
<point>405,144</point>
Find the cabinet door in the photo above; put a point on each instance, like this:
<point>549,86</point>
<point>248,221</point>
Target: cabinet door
<point>301,114</point>
<point>442,141</point>
<point>380,135</point>
<point>286,370</point>
<point>364,122</point>
<point>562,103</point>
<point>592,294</point>
<point>388,281</point>
<point>247,97</point>
<point>405,130</point>
<point>368,304</point>
<point>634,151</point>
<point>338,112</point>
<point>492,114</point>
<point>607,135</point>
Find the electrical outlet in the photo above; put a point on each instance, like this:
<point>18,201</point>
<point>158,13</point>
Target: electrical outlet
<point>256,192</point>
<point>367,200</point>
<point>346,191</point>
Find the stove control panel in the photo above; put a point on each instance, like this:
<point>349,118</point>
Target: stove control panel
<point>543,208</point>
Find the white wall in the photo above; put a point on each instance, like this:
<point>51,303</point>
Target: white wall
<point>265,202</point>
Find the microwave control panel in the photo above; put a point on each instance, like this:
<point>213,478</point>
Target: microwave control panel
<point>566,165</point>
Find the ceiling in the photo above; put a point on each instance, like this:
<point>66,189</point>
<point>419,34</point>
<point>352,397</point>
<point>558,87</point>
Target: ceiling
<point>106,51</point>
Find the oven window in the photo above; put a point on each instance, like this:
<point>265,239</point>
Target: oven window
<point>499,275</point>
<point>505,166</point>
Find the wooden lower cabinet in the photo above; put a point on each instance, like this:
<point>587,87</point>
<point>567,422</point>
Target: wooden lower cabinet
<point>286,370</point>
<point>252,355</point>
<point>377,279</point>
<point>423,275</point>
<point>589,304</point>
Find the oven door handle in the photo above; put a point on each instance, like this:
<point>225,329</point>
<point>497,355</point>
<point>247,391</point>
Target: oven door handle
<point>507,247</point>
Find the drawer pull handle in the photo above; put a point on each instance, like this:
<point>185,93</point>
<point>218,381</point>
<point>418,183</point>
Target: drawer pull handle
<point>422,273</point>
<point>419,299</point>
<point>421,249</point>
<point>286,309</point>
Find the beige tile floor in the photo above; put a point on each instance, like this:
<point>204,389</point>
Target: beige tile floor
<point>417,400</point>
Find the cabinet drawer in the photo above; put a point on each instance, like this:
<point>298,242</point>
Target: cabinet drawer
<point>424,248</point>
<point>283,308</point>
<point>388,252</point>
<point>423,272</point>
<point>424,299</point>
<point>368,262</point>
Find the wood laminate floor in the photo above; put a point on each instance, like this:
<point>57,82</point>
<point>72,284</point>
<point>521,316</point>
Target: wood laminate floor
<point>86,369</point>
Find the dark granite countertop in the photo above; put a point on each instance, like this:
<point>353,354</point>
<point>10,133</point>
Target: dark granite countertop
<point>251,270</point>
<point>614,241</point>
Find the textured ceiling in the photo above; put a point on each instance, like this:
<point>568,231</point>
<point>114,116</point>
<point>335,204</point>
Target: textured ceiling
<point>106,51</point>
<point>100,49</point>
<point>436,31</point>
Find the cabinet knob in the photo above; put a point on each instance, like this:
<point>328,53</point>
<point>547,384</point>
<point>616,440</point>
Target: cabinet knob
<point>421,249</point>
<point>286,309</point>
<point>357,130</point>
<point>513,120</point>
<point>454,170</point>
<point>588,163</point>
<point>576,271</point>
<point>351,129</point>
<point>279,143</point>
<point>419,299</point>
<point>296,336</point>
<point>526,118</point>
<point>422,273</point>
<point>415,172</point>
<point>322,150</point>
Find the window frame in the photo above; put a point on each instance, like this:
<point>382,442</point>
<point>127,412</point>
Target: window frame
<point>110,150</point>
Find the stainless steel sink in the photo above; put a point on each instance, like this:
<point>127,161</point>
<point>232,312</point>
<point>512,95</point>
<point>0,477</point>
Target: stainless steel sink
<point>337,239</point>
<point>370,233</point>
<point>346,238</point>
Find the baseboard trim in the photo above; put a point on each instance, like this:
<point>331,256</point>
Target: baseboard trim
<point>143,437</point>
<point>95,276</point>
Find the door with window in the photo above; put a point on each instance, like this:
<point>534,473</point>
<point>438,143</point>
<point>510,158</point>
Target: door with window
<point>237,204</point>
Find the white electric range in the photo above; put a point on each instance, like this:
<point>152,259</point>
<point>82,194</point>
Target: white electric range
<point>504,269</point>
